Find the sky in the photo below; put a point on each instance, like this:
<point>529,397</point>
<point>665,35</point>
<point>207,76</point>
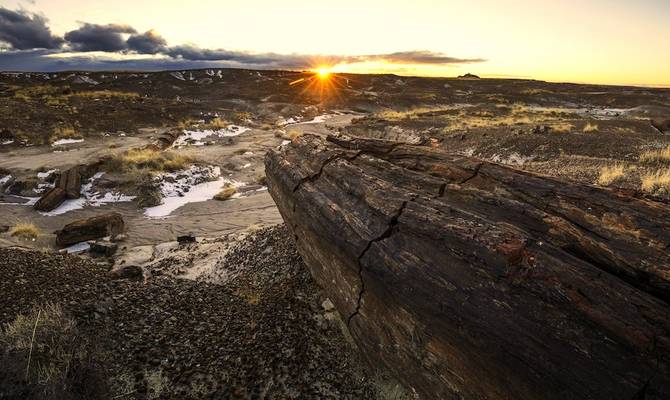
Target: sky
<point>594,41</point>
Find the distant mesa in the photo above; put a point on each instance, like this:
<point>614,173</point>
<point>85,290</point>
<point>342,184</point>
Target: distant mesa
<point>469,76</point>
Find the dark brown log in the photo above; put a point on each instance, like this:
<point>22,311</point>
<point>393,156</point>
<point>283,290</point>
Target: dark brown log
<point>471,280</point>
<point>51,199</point>
<point>70,182</point>
<point>663,125</point>
<point>110,224</point>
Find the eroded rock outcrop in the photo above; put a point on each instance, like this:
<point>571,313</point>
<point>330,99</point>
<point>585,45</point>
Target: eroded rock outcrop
<point>472,280</point>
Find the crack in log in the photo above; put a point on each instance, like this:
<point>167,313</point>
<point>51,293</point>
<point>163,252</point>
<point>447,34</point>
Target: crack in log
<point>474,174</point>
<point>385,235</point>
<point>312,178</point>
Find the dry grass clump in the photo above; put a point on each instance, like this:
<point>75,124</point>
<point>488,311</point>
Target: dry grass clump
<point>654,181</point>
<point>104,94</point>
<point>562,127</point>
<point>149,159</point>
<point>532,92</point>
<point>25,230</point>
<point>216,124</point>
<point>242,116</point>
<point>58,95</point>
<point>45,357</point>
<point>656,156</point>
<point>589,127</point>
<point>64,132</point>
<point>226,193</point>
<point>292,135</point>
<point>609,174</point>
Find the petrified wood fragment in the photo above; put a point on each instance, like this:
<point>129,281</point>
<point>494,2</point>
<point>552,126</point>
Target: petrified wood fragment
<point>110,224</point>
<point>471,280</point>
<point>51,199</point>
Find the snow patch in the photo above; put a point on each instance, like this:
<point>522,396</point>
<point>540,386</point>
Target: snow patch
<point>178,75</point>
<point>181,188</point>
<point>89,198</point>
<point>62,142</point>
<point>195,138</point>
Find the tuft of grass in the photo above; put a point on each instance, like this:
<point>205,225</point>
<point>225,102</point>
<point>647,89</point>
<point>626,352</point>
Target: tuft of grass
<point>292,134</point>
<point>64,132</point>
<point>562,127</point>
<point>216,124</point>
<point>656,156</point>
<point>45,356</point>
<point>25,230</point>
<point>590,128</point>
<point>226,193</point>
<point>656,180</point>
<point>149,160</point>
<point>611,173</point>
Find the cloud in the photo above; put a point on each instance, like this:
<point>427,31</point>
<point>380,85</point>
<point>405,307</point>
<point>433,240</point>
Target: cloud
<point>94,37</point>
<point>118,46</point>
<point>149,42</point>
<point>22,31</point>
<point>420,57</point>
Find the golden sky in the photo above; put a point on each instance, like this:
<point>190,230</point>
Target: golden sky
<point>597,41</point>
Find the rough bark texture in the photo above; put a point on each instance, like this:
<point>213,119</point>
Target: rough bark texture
<point>70,182</point>
<point>472,280</point>
<point>110,224</point>
<point>51,199</point>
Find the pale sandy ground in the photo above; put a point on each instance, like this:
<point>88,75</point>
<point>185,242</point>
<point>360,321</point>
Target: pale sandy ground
<point>203,219</point>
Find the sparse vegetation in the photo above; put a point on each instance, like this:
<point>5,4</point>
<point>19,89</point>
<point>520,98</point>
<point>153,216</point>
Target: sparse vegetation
<point>562,127</point>
<point>149,160</point>
<point>216,124</point>
<point>44,357</point>
<point>609,174</point>
<point>226,193</point>
<point>656,156</point>
<point>589,127</point>
<point>292,134</point>
<point>25,231</point>
<point>657,180</point>
<point>64,132</point>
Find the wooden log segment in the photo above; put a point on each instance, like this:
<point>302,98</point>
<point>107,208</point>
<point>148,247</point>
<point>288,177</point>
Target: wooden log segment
<point>110,224</point>
<point>51,199</point>
<point>472,280</point>
<point>70,182</point>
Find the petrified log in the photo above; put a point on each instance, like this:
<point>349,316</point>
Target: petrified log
<point>110,224</point>
<point>471,280</point>
<point>51,199</point>
<point>70,182</point>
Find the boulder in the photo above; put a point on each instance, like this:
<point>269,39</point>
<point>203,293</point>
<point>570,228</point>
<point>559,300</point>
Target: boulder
<point>467,279</point>
<point>97,227</point>
<point>103,248</point>
<point>51,199</point>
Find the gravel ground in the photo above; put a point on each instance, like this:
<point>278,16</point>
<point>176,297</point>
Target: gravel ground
<point>264,334</point>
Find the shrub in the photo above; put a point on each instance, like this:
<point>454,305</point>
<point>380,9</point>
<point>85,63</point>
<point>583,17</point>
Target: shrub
<point>656,180</point>
<point>217,123</point>
<point>44,357</point>
<point>64,132</point>
<point>292,135</point>
<point>656,156</point>
<point>149,159</point>
<point>590,128</point>
<point>25,230</point>
<point>226,193</point>
<point>610,173</point>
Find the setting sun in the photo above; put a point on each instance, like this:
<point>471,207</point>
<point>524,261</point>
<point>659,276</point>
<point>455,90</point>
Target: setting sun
<point>323,72</point>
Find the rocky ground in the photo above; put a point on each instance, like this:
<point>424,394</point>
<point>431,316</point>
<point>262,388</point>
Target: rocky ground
<point>262,332</point>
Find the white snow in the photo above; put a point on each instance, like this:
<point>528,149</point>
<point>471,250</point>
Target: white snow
<point>44,175</point>
<point>10,141</point>
<point>78,247</point>
<point>175,195</point>
<point>66,141</point>
<point>247,165</point>
<point>297,120</point>
<point>195,138</point>
<point>285,142</point>
<point>89,198</point>
<point>5,179</point>
<point>178,75</point>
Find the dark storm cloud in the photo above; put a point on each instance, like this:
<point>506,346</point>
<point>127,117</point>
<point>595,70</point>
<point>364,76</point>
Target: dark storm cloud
<point>149,42</point>
<point>22,31</point>
<point>94,37</point>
